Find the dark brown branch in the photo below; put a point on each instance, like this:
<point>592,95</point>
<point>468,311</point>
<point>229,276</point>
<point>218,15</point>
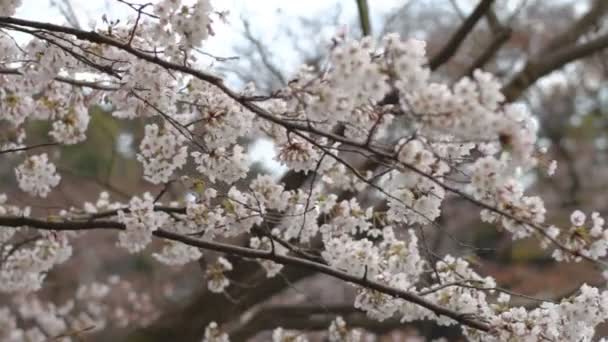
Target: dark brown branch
<point>560,51</point>
<point>536,69</point>
<point>451,47</point>
<point>580,27</point>
<point>460,35</point>
<point>27,148</point>
<point>500,38</point>
<point>187,323</point>
<point>493,22</point>
<point>95,37</point>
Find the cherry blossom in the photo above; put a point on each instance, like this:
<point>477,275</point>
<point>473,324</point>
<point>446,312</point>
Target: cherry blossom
<point>37,176</point>
<point>214,334</point>
<point>216,280</point>
<point>161,153</point>
<point>140,221</point>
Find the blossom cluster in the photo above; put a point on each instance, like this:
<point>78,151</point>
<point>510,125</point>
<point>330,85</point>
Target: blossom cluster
<point>24,269</point>
<point>140,222</point>
<point>580,240</point>
<point>190,23</point>
<point>162,151</point>
<point>37,176</point>
<point>217,280</point>
<point>573,319</point>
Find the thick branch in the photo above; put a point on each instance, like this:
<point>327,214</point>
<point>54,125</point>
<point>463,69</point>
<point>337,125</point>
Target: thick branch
<point>580,27</point>
<point>451,47</point>
<point>460,35</point>
<point>95,37</point>
<point>500,35</point>
<point>547,64</point>
<point>560,51</point>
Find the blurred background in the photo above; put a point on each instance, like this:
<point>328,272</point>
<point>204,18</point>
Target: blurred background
<point>550,56</point>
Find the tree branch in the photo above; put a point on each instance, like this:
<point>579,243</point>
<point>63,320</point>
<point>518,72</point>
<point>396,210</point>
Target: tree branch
<point>580,27</point>
<point>27,148</point>
<point>499,40</point>
<point>500,33</point>
<point>536,69</point>
<point>460,35</point>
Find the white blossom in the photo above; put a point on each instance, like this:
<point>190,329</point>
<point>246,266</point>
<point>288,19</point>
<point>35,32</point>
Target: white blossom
<point>552,168</point>
<point>281,335</point>
<point>70,126</point>
<point>37,176</point>
<point>577,218</point>
<point>224,165</point>
<point>162,151</point>
<point>339,332</point>
<point>214,334</point>
<point>216,279</point>
<point>177,254</point>
<point>298,154</point>
<point>140,222</point>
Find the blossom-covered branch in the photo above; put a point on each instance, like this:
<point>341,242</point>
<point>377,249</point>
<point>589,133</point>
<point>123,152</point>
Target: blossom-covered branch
<point>249,253</point>
<point>334,127</point>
